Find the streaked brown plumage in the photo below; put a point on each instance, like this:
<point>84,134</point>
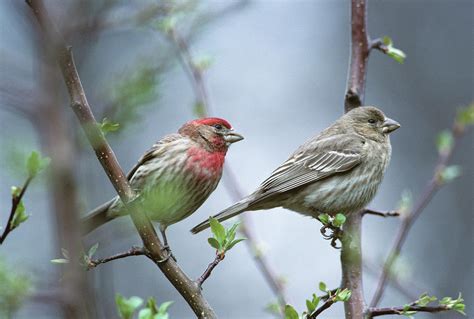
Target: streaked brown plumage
<point>337,171</point>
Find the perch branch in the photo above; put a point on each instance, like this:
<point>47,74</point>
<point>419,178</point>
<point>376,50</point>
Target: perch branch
<point>377,312</point>
<point>231,184</point>
<point>190,291</point>
<point>134,251</point>
<point>15,202</point>
<point>409,219</point>
<point>351,253</point>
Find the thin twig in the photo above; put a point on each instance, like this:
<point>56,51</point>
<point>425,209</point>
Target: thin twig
<point>409,219</point>
<point>391,213</point>
<point>15,202</point>
<point>210,268</point>
<point>194,73</point>
<point>376,312</point>
<point>379,45</point>
<point>323,307</point>
<point>232,186</point>
<point>183,284</point>
<point>134,251</point>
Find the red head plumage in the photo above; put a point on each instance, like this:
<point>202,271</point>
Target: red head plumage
<point>212,121</point>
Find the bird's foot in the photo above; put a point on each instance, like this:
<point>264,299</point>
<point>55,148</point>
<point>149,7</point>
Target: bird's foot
<point>170,254</point>
<point>333,234</point>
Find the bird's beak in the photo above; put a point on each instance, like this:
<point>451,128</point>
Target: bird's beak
<point>232,137</point>
<point>389,125</point>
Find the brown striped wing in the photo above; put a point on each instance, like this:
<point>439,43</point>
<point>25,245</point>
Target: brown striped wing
<point>155,151</point>
<point>314,162</point>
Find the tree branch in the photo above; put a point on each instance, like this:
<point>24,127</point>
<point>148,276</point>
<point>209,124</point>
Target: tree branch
<point>231,184</point>
<point>409,219</point>
<point>134,251</point>
<point>210,268</point>
<point>15,202</point>
<point>377,312</point>
<point>329,302</point>
<point>351,262</point>
<point>359,56</point>
<point>185,286</point>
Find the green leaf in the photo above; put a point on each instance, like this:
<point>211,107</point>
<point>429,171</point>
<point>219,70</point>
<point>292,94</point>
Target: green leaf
<point>35,163</point>
<point>230,234</point>
<point>151,304</point>
<point>233,243</point>
<point>127,307</point>
<point>214,243</point>
<point>449,173</point>
<point>92,250</point>
<point>396,54</point>
<point>465,116</point>
<point>107,126</point>
<point>217,229</point>
<point>339,220</point>
<point>60,261</point>
<point>425,299</point>
<point>19,216</point>
<point>324,218</point>
<point>164,307</point>
<point>274,308</point>
<point>315,300</point>
<point>145,313</point>
<point>344,295</point>
<point>310,306</point>
<point>290,312</point>
<point>444,141</point>
<point>322,287</point>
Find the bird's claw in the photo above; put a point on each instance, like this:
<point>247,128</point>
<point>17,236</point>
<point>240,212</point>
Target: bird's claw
<point>170,254</point>
<point>335,234</point>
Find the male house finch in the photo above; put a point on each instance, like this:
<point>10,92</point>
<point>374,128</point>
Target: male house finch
<point>338,171</point>
<point>176,175</point>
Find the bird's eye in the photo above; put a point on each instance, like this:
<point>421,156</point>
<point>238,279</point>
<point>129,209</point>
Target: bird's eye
<point>372,121</point>
<point>218,126</point>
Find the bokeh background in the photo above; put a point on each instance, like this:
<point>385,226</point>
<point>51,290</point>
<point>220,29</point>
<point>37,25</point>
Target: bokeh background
<point>278,74</point>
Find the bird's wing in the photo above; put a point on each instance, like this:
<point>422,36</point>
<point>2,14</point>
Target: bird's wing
<point>312,162</point>
<point>155,151</point>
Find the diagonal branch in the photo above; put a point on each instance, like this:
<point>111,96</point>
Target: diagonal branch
<point>210,268</point>
<point>328,303</point>
<point>134,251</point>
<point>232,186</point>
<point>409,219</point>
<point>16,199</point>
<point>185,286</point>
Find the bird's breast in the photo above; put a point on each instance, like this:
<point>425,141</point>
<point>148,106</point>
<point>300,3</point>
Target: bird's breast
<point>204,164</point>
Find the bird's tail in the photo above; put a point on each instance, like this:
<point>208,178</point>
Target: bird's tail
<point>96,217</point>
<point>227,213</point>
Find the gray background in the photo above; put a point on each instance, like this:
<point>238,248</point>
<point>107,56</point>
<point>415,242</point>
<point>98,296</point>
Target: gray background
<point>279,77</point>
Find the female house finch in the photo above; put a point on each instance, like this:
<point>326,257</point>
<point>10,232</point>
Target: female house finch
<point>338,171</point>
<point>176,175</point>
